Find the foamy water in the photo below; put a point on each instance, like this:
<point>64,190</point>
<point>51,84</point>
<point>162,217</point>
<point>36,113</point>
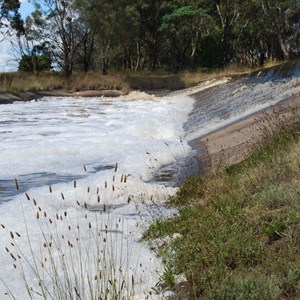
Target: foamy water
<point>83,216</point>
<point>73,145</point>
<point>227,102</point>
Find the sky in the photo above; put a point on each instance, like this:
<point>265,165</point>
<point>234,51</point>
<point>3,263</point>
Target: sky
<point>7,61</point>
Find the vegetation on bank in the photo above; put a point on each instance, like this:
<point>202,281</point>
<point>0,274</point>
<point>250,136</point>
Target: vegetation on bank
<point>24,82</point>
<point>16,82</point>
<point>237,234</point>
<point>173,35</point>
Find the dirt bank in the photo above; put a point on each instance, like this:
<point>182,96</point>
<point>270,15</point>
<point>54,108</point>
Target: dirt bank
<point>233,143</point>
<point>28,96</point>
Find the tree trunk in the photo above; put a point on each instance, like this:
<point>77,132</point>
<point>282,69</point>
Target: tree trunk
<point>104,66</point>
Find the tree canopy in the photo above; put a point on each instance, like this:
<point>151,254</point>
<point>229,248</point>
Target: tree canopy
<point>10,16</point>
<point>172,35</point>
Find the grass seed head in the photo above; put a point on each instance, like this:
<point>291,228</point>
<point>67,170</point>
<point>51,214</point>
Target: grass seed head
<point>17,184</point>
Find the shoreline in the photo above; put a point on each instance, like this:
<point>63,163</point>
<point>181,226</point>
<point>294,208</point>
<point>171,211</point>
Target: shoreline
<point>221,147</point>
<point>236,141</point>
<point>6,98</point>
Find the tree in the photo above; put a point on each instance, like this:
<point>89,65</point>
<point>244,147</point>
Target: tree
<point>185,23</point>
<point>284,18</point>
<point>10,16</point>
<point>103,18</point>
<point>58,23</point>
<point>151,34</point>
<point>151,14</point>
<point>36,62</point>
<point>233,23</point>
<point>32,52</point>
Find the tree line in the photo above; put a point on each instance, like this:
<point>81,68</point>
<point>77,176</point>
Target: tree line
<point>154,34</point>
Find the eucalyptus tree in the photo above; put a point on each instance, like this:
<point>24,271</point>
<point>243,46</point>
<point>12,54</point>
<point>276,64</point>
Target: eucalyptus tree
<point>131,50</point>
<point>10,16</point>
<point>58,23</point>
<point>233,18</point>
<point>284,18</point>
<point>31,51</point>
<point>102,17</point>
<point>186,23</point>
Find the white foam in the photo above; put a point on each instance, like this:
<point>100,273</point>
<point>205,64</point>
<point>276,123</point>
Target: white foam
<point>60,136</point>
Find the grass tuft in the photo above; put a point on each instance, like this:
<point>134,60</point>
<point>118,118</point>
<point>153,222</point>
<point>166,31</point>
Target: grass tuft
<point>239,229</point>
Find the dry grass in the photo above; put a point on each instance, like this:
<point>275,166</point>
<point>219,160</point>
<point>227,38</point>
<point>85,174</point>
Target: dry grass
<point>19,82</point>
<point>192,78</point>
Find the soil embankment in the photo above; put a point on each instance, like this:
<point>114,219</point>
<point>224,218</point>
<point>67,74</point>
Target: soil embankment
<point>28,96</point>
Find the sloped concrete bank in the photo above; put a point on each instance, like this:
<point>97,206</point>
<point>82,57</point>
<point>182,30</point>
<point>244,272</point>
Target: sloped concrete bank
<point>237,141</point>
<point>230,121</point>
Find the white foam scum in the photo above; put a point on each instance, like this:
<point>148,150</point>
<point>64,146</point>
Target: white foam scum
<point>82,243</point>
<point>83,238</point>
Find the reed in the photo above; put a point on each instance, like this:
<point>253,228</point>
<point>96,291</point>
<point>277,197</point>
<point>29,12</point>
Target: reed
<point>83,252</point>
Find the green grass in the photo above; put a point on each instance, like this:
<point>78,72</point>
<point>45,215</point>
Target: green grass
<point>239,230</point>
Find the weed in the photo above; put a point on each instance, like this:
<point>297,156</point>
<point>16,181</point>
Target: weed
<point>240,228</point>
<point>82,252</point>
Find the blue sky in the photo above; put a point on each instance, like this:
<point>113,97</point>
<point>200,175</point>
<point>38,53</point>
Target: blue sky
<point>7,60</point>
<point>26,8</point>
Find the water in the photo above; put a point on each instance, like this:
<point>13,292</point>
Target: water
<point>63,152</point>
<point>228,102</point>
